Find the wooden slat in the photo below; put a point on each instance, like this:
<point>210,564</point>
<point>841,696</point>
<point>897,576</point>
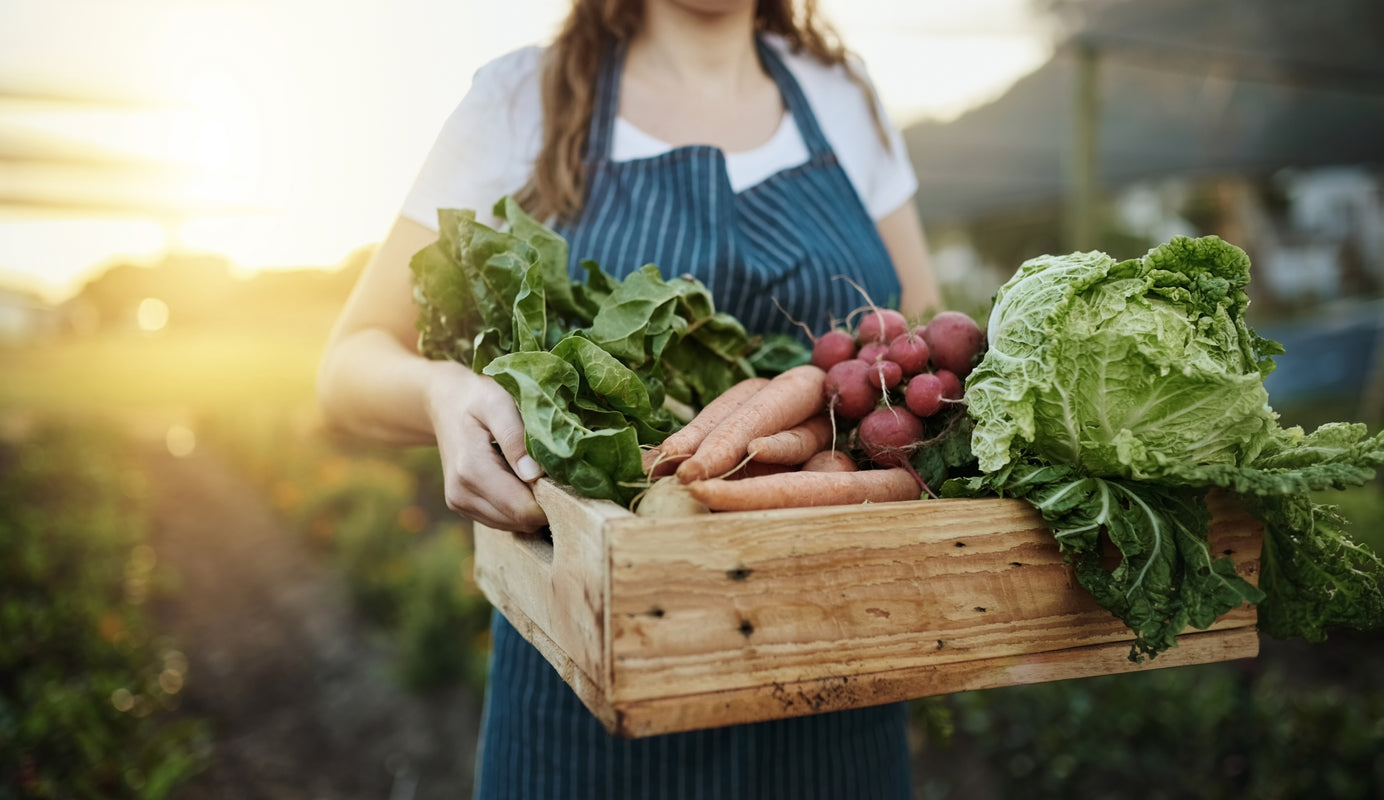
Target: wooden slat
<point>558,584</point>
<point>675,713</point>
<point>755,599</point>
<point>677,624</point>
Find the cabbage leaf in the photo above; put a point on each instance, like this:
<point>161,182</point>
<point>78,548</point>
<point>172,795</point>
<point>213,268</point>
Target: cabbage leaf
<point>1114,394</point>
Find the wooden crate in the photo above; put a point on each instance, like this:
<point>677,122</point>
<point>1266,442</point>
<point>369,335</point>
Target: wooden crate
<point>677,624</point>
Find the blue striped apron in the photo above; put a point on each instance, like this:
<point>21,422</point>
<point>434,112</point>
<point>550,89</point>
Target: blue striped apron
<point>785,240</point>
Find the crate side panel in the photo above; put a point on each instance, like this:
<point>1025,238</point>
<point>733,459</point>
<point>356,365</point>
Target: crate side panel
<point>682,713</point>
<point>746,600</point>
<point>557,584</point>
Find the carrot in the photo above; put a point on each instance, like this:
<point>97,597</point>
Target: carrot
<point>801,488</point>
<point>795,445</point>
<point>680,444</point>
<point>754,469</point>
<point>830,461</point>
<point>790,398</point>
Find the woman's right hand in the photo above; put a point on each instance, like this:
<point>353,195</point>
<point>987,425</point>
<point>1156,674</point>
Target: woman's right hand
<point>480,437</point>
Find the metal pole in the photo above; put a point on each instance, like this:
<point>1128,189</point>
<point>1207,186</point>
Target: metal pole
<point>1082,173</point>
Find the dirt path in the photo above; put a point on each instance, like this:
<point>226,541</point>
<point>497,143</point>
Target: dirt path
<point>300,696</point>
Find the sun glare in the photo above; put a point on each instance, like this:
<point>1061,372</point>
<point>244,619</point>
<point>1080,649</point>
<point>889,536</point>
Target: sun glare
<point>152,314</point>
<point>285,139</point>
<point>180,441</point>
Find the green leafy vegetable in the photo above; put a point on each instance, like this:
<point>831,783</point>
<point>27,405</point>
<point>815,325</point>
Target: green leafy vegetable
<point>1125,369</point>
<point>1114,394</point>
<point>588,364</point>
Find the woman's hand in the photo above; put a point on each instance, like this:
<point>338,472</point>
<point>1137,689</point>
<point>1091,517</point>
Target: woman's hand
<point>486,469</point>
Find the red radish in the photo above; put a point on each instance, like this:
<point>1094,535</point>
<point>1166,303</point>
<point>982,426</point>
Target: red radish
<point>924,394</point>
<point>909,351</point>
<point>848,391</point>
<point>889,435</point>
<point>833,347</point>
<point>885,374</point>
<point>954,340</point>
<point>952,387</point>
<point>881,325</point>
<point>872,352</point>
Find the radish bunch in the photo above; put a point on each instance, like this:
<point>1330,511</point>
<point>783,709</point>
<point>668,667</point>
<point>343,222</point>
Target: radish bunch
<point>890,379</point>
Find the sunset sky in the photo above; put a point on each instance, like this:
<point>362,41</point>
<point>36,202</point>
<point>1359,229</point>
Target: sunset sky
<point>287,131</point>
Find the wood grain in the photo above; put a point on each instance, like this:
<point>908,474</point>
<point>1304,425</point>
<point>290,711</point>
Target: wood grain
<point>657,623</point>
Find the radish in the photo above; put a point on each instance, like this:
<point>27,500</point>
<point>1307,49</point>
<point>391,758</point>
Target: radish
<point>885,374</point>
<point>954,340</point>
<point>881,325</point>
<point>924,394</point>
<point>848,391</point>
<point>872,352</point>
<point>952,387</point>
<point>833,347</point>
<point>890,435</point>
<point>909,351</point>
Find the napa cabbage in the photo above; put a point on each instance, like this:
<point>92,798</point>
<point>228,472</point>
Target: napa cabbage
<point>1114,395</point>
<point>1124,368</point>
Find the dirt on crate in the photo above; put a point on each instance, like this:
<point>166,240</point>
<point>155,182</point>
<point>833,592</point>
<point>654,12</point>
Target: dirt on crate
<point>300,696</point>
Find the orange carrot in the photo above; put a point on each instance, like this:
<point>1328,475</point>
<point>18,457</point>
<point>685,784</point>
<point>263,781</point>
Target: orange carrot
<point>755,469</point>
<point>795,445</point>
<point>800,489</point>
<point>683,442</point>
<point>830,461</point>
<point>789,399</point>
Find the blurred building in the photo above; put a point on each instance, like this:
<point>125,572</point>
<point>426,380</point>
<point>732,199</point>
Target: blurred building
<point>1261,121</point>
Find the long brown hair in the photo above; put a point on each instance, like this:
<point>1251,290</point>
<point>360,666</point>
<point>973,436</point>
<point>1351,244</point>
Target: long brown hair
<point>568,85</point>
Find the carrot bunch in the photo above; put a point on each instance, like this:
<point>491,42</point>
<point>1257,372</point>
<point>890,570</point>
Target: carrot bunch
<point>769,443</point>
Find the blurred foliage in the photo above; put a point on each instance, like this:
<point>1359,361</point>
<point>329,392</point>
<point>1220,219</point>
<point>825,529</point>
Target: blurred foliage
<point>87,688</point>
<point>1302,720</point>
<point>379,514</point>
<point>1228,730</point>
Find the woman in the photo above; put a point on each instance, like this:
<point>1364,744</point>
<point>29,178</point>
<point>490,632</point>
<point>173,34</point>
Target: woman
<point>728,139</point>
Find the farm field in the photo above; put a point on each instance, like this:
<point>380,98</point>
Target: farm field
<point>335,645</point>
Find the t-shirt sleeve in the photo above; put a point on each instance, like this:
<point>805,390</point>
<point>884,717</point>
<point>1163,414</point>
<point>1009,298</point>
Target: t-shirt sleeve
<point>487,146</point>
<point>886,176</point>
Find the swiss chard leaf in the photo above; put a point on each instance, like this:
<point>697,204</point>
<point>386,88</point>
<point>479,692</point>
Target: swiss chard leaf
<point>503,302</point>
<point>578,440</point>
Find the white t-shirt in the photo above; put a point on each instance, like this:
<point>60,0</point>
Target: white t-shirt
<point>488,145</point>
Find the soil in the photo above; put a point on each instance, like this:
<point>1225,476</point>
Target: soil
<point>299,694</point>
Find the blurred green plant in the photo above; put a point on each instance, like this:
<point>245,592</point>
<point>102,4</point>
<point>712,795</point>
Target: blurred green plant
<point>379,513</point>
<point>1215,731</point>
<point>88,690</point>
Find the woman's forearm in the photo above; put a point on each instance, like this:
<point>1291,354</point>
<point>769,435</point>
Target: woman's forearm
<point>370,385</point>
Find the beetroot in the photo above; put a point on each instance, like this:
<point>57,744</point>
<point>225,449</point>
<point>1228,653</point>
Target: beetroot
<point>952,386</point>
<point>954,340</point>
<point>833,347</point>
<point>924,394</point>
<point>848,390</point>
<point>885,374</point>
<point>909,351</point>
<point>889,435</point>
<point>881,325</point>
<point>872,352</point>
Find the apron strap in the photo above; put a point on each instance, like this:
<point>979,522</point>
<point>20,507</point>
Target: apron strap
<point>793,96</point>
<point>608,100</point>
<point>607,104</point>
